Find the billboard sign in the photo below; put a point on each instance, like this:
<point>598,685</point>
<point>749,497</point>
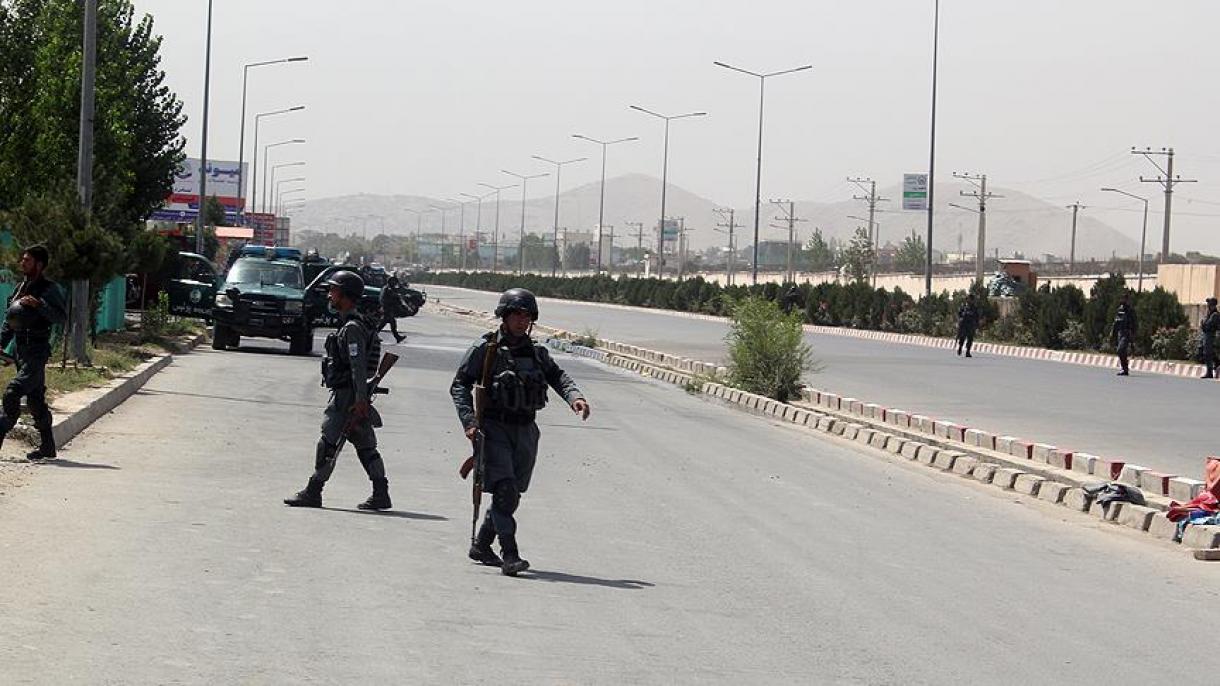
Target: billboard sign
<point>183,202</point>
<point>915,191</point>
<point>264,227</point>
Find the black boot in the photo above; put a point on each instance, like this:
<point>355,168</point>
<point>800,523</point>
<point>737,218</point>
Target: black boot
<point>399,337</point>
<point>46,447</point>
<point>480,547</point>
<point>380,500</point>
<point>310,497</point>
<point>513,564</point>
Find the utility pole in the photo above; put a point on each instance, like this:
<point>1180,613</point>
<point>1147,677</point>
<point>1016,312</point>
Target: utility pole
<point>1168,181</point>
<point>681,247</point>
<point>639,245</point>
<point>79,303</point>
<point>982,196</point>
<point>789,217</point>
<point>732,229</point>
<point>874,231</point>
<point>1075,208</point>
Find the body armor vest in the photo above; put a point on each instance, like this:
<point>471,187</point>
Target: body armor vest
<point>518,385</point>
<point>336,365</point>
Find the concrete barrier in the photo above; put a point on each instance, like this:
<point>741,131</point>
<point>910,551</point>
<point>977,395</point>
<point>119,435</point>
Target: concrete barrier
<point>1041,452</point>
<point>1060,459</point>
<point>984,472</point>
<point>1029,484</point>
<point>1076,499</point>
<point>1052,492</point>
<point>1201,537</point>
<point>965,465</point>
<point>1131,475</point>
<point>1184,490</point>
<point>1005,477</point>
<point>1084,463</point>
<point>1155,482</point>
<point>1160,527</point>
<point>1108,469</point>
<point>1137,517</point>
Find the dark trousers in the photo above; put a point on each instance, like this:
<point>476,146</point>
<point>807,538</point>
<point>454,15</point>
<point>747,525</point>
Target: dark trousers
<point>361,437</point>
<point>1207,355</point>
<point>510,451</point>
<point>965,337</point>
<point>392,321</point>
<point>1124,351</point>
<point>30,382</point>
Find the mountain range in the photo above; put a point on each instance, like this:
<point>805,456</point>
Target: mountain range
<point>1016,222</point>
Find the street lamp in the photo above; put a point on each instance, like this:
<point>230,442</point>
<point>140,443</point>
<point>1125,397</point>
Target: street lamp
<point>927,267</point>
<point>273,171</point>
<point>444,214</point>
<point>461,228</point>
<point>601,207</point>
<point>558,170</point>
<point>279,191</point>
<point>495,244</point>
<point>521,240</point>
<point>266,150</point>
<point>478,219</point>
<point>665,183</point>
<point>258,120</point>
<point>1143,232</point>
<point>762,81</point>
<point>419,220</point>
<point>87,107</point>
<point>241,145</point>
<point>279,198</point>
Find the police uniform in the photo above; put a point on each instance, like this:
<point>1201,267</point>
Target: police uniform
<point>28,329</point>
<point>523,371</point>
<point>352,356</point>
<point>1124,333</point>
<point>1207,344</point>
<point>967,324</point>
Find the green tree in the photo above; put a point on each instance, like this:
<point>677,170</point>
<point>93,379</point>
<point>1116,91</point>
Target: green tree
<point>821,257</point>
<point>213,212</point>
<point>767,350</point>
<point>911,254</point>
<point>858,255</point>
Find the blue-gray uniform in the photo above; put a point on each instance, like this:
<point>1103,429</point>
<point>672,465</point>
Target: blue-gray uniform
<point>29,330</point>
<point>518,389</point>
<point>1207,342</point>
<point>352,354</point>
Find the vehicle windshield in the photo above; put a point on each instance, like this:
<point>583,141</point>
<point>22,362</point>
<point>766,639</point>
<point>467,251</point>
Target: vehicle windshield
<point>265,273</point>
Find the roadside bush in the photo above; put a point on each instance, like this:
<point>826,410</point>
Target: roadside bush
<point>767,352</point>
<point>1074,336</point>
<point>1177,343</point>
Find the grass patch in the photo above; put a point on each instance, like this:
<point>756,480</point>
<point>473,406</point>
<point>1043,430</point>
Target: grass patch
<point>588,338</point>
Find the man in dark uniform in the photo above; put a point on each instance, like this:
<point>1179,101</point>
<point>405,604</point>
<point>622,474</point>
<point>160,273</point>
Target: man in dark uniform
<point>967,324</point>
<point>36,305</point>
<point>352,355</point>
<point>1207,343</point>
<point>519,377</point>
<point>1124,333</point>
<point>391,304</point>
<point>792,297</point>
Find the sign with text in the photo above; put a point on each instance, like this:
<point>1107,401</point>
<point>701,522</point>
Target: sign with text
<point>915,191</point>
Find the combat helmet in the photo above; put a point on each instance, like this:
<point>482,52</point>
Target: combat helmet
<point>517,299</point>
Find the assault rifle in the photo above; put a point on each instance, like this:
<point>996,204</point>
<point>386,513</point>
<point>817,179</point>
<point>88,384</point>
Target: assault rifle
<point>388,360</point>
<point>477,461</point>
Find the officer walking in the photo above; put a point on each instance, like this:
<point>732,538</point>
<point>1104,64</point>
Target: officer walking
<point>352,356</point>
<point>391,304</point>
<point>35,306</point>
<point>1207,343</point>
<point>521,370</point>
<point>1124,333</point>
<point>967,324</point>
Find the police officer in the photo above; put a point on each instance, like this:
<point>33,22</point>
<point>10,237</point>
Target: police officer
<point>391,305</point>
<point>35,306</point>
<point>791,299</point>
<point>521,372</point>
<point>352,356</point>
<point>967,324</point>
<point>1207,343</point>
<point>1123,333</point>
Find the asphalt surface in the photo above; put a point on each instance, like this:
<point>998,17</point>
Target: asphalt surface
<point>1163,422</point>
<point>673,541</point>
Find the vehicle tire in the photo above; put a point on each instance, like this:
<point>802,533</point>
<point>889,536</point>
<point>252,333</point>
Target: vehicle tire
<point>220,337</point>
<point>301,343</point>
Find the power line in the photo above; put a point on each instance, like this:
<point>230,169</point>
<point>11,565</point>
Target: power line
<point>732,228</point>
<point>1168,181</point>
<point>874,231</point>
<point>980,181</point>
<point>1075,208</point>
<point>789,216</point>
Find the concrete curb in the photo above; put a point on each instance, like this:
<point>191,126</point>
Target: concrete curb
<point>1035,470</point>
<point>1077,357</point>
<point>106,398</point>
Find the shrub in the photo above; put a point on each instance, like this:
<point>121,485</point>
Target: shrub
<point>767,351</point>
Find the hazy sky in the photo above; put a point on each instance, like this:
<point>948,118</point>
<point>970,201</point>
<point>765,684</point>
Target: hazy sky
<point>431,97</point>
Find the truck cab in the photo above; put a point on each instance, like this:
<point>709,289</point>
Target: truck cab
<point>316,297</point>
<point>263,297</point>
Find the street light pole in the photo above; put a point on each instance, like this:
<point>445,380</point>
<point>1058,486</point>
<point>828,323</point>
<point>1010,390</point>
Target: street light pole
<point>274,170</point>
<point>266,149</point>
<point>444,216</point>
<point>927,277</point>
<point>241,145</point>
<point>495,244</point>
<point>279,191</point>
<point>279,198</point>
<point>258,120</point>
<point>521,239</point>
<point>664,180</point>
<point>762,82</point>
<point>1143,232</point>
<point>558,171</point>
<point>203,157</point>
<point>601,206</point>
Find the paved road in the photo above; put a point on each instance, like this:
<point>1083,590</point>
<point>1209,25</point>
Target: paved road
<point>674,541</point>
<point>1157,421</point>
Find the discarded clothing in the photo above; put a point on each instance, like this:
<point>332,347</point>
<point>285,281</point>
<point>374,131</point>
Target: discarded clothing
<point>1112,492</point>
<point>1205,502</point>
<point>1195,518</point>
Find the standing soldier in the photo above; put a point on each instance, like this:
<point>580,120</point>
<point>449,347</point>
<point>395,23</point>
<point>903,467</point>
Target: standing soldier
<point>1207,344</point>
<point>967,324</point>
<point>36,305</point>
<point>352,354</point>
<point>391,305</point>
<point>791,299</point>
<point>1124,333</point>
<point>517,379</point>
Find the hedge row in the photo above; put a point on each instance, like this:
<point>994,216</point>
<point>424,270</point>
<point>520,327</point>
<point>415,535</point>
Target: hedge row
<point>1058,318</point>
